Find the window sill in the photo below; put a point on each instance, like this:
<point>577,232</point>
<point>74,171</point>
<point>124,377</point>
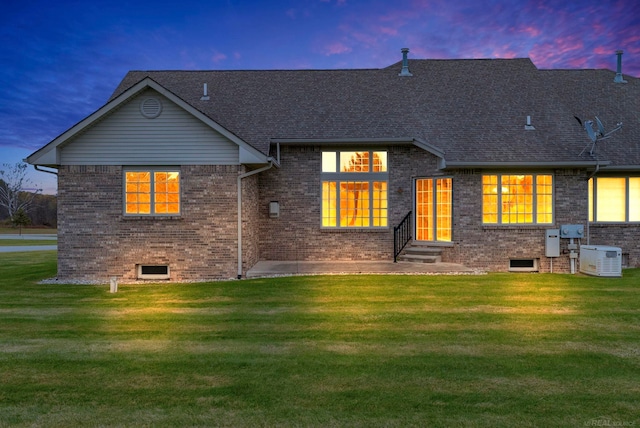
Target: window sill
<point>614,223</point>
<point>354,230</point>
<point>519,226</point>
<point>151,217</point>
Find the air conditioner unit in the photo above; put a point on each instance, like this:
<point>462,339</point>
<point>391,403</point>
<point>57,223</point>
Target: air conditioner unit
<point>600,260</point>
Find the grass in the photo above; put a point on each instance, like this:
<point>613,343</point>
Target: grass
<point>371,350</point>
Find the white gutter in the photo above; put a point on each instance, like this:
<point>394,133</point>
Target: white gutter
<point>240,177</point>
<point>43,170</point>
<point>566,164</point>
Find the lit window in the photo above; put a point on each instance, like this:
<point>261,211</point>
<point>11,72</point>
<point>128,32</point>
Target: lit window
<point>434,208</point>
<point>614,199</point>
<point>329,161</point>
<point>634,198</point>
<point>354,189</point>
<point>152,192</point>
<point>517,199</point>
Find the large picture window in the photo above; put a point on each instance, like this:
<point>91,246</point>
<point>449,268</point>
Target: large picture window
<point>614,199</point>
<point>354,189</point>
<point>152,192</point>
<point>517,199</point>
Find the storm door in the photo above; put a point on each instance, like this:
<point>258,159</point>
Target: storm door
<point>433,209</point>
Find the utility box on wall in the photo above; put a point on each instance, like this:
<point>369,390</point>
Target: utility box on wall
<point>572,231</point>
<point>274,209</point>
<point>552,243</point>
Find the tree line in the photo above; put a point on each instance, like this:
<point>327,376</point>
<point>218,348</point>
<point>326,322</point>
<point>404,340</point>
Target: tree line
<point>20,203</point>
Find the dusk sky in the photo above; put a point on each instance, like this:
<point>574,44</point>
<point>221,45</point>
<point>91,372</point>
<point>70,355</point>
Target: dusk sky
<point>61,60</point>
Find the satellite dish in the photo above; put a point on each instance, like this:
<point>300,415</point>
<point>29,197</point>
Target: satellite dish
<point>588,126</point>
<point>601,130</point>
<point>600,135</point>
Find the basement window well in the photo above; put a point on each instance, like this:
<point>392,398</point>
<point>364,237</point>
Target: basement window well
<point>153,272</point>
<point>523,265</point>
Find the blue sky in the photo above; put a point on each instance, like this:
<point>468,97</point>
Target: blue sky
<point>61,60</point>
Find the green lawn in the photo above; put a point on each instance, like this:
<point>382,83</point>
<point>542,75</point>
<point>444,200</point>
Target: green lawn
<point>359,351</point>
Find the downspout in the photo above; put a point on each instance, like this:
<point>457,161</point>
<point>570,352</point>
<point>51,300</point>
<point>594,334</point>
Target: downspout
<point>594,172</point>
<point>589,178</point>
<point>240,177</point>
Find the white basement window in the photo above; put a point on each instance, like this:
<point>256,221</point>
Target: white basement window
<point>153,272</point>
<point>523,265</point>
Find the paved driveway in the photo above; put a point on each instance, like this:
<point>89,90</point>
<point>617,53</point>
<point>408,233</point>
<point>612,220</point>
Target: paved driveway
<point>43,236</point>
<point>20,248</point>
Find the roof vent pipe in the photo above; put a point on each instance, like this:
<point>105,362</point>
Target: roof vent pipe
<point>529,126</point>
<point>405,63</point>
<point>205,95</point>
<point>618,78</point>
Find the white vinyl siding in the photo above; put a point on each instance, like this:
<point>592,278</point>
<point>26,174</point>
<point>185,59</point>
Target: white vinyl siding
<point>126,137</point>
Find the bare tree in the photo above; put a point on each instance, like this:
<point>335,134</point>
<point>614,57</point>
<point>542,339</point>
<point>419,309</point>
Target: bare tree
<point>16,189</point>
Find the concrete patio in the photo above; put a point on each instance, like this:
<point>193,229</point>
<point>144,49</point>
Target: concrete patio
<point>267,268</point>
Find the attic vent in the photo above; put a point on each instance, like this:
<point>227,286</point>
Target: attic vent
<point>151,108</point>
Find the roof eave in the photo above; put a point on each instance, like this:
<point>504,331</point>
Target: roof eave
<point>341,141</point>
<point>436,151</point>
<point>622,168</point>
<point>506,165</point>
<point>49,154</point>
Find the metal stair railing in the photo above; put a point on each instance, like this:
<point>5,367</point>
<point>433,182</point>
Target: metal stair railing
<point>401,236</point>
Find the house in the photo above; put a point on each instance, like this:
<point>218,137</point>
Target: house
<point>197,175</point>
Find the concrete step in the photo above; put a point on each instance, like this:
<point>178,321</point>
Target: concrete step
<point>419,252</point>
<point>423,250</point>
<point>419,258</point>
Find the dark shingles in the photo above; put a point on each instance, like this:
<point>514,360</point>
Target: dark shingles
<point>475,110</point>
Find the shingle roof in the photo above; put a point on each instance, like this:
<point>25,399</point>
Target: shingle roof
<point>474,110</point>
<point>588,94</point>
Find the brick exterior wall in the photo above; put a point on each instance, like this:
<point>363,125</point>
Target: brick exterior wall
<point>96,241</point>
<point>251,222</point>
<point>492,247</point>
<point>625,236</point>
<point>297,235</point>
